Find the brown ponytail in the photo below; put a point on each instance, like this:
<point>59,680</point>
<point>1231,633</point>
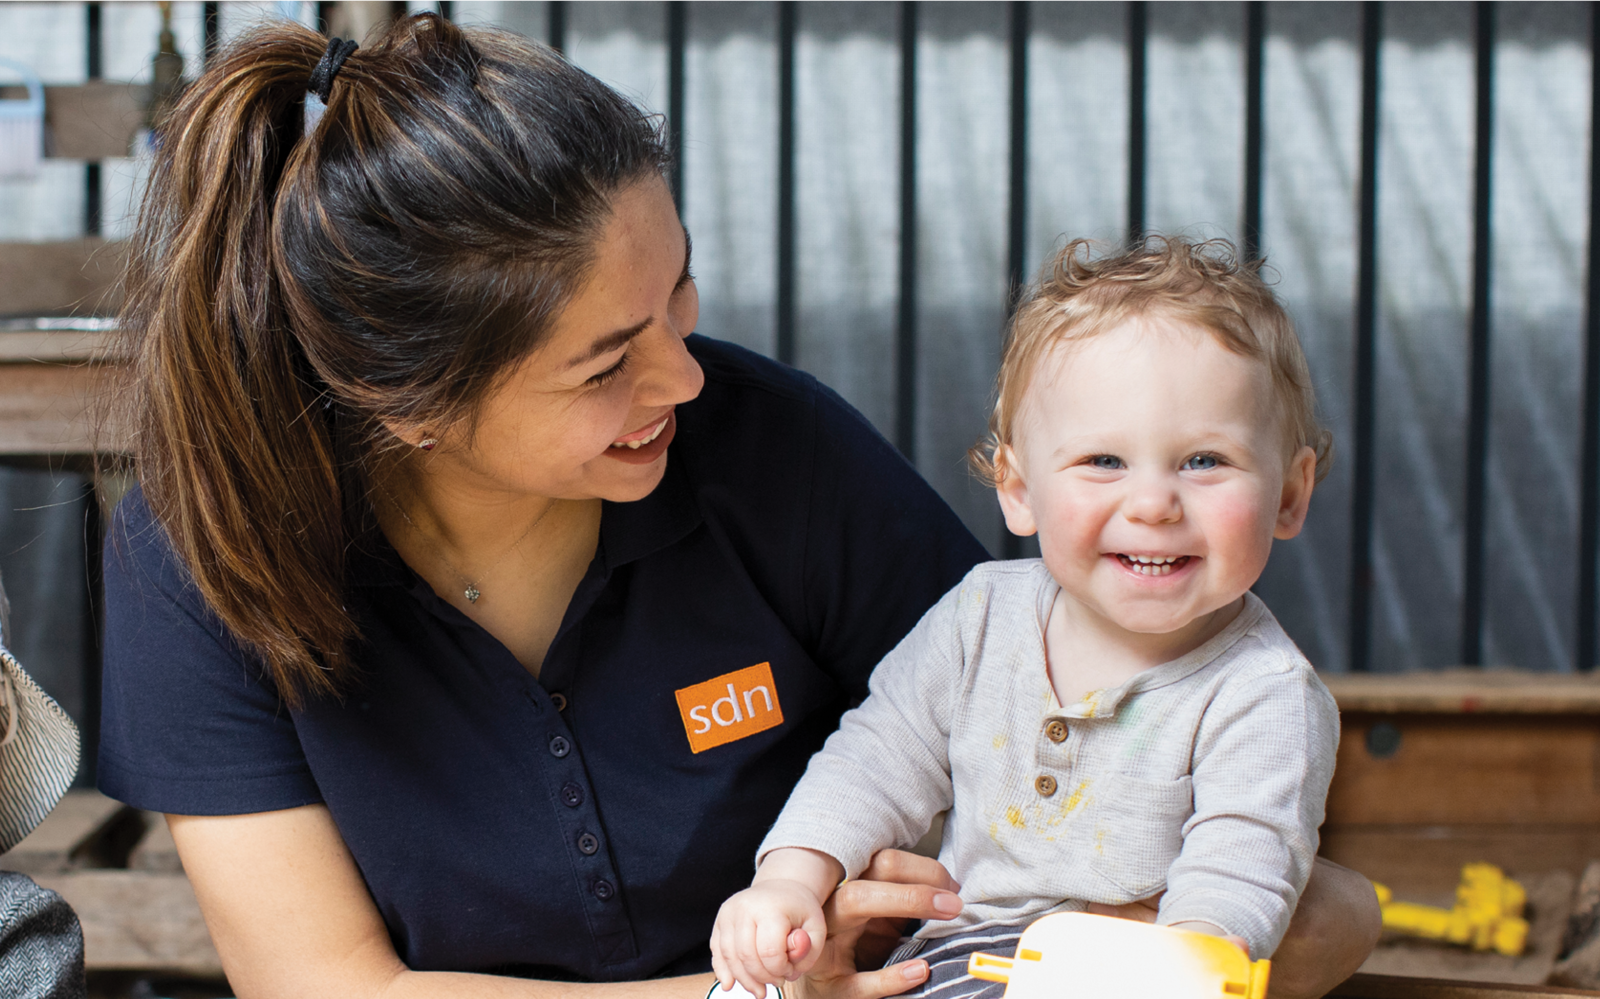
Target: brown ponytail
<point>289,293</point>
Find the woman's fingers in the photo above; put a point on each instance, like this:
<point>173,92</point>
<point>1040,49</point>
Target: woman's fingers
<point>853,903</point>
<point>901,867</point>
<point>890,981</point>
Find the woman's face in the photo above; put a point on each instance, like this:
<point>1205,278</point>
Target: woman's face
<point>589,414</point>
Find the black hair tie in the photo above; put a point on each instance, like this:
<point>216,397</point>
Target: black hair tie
<point>328,67</point>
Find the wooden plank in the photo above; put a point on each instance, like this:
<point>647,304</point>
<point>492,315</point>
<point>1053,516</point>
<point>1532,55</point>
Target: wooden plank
<point>55,346</point>
<point>95,120</point>
<point>53,409</point>
<point>1468,769</point>
<point>92,121</point>
<point>1394,987</point>
<point>134,920</point>
<point>48,848</point>
<point>72,276</point>
<point>1467,691</point>
<point>1428,859</point>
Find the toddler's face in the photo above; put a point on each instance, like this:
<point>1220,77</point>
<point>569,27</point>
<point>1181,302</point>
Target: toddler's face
<point>1152,464</point>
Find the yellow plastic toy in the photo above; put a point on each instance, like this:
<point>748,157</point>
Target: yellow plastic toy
<point>1487,914</point>
<point>1110,958</point>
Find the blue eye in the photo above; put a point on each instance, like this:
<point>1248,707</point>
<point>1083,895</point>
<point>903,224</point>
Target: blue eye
<point>1200,463</point>
<point>1106,462</point>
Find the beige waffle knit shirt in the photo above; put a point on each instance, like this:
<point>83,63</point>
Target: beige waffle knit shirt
<point>1203,777</point>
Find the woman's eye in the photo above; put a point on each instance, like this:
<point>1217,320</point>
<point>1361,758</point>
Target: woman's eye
<point>609,374</point>
<point>1106,462</point>
<point>1200,463</point>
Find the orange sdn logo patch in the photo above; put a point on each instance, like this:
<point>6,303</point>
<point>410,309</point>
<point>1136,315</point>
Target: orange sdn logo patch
<point>730,707</point>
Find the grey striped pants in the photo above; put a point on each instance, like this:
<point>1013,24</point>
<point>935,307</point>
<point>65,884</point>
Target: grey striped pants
<point>947,962</point>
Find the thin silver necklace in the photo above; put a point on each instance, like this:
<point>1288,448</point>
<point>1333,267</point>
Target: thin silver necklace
<point>472,591</point>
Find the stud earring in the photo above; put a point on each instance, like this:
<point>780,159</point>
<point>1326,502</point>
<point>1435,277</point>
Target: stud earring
<point>429,443</point>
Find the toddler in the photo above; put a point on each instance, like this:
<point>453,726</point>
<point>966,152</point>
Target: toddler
<point>1121,718</point>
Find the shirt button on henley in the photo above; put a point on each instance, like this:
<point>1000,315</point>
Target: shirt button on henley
<point>571,795</point>
<point>560,747</point>
<point>1055,730</point>
<point>1045,785</point>
<point>587,844</point>
<point>603,890</point>
<point>559,700</point>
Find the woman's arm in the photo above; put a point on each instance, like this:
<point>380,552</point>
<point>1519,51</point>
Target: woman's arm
<point>1333,929</point>
<point>291,917</point>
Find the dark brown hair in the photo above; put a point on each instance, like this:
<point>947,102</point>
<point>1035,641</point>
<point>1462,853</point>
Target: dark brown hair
<point>1080,294</point>
<point>288,292</point>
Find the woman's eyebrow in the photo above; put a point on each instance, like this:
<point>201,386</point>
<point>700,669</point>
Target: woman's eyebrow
<point>612,341</point>
<point>609,342</point>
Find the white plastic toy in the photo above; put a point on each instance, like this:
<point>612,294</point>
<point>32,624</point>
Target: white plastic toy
<point>1074,953</point>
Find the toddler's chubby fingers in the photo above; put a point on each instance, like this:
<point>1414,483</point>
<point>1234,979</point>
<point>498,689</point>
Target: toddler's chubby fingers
<point>805,944</point>
<point>772,949</point>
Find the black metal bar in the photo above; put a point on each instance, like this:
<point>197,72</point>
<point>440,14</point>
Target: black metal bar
<point>94,42</point>
<point>211,29</point>
<point>1138,47</point>
<point>94,69</point>
<point>1255,39</point>
<point>1017,209</point>
<point>788,17</point>
<point>1478,379</point>
<point>93,543</point>
<point>1363,450</point>
<point>1588,647</point>
<point>677,46</point>
<point>905,375</point>
<point>556,25</point>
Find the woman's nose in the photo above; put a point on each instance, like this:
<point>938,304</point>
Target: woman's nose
<point>673,376</point>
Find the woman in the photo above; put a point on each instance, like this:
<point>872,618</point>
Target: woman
<point>473,618</point>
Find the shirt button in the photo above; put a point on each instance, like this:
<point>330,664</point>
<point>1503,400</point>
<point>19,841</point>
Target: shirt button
<point>559,700</point>
<point>587,845</point>
<point>603,890</point>
<point>1056,730</point>
<point>559,746</point>
<point>571,795</point>
<point>1045,785</point>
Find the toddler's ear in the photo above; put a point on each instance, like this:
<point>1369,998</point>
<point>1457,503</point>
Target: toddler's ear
<point>1013,493</point>
<point>1299,479</point>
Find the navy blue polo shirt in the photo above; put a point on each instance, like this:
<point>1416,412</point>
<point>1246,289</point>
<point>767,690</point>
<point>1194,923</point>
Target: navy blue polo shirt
<point>585,824</point>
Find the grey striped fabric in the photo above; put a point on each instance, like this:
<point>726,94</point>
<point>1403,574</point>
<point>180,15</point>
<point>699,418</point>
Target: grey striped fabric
<point>38,752</point>
<point>947,962</point>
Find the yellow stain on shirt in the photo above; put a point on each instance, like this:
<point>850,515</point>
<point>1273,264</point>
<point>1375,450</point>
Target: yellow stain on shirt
<point>1014,816</point>
<point>1075,799</point>
<point>1000,741</point>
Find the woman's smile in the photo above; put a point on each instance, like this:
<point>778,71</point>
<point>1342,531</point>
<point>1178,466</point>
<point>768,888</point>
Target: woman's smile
<point>644,446</point>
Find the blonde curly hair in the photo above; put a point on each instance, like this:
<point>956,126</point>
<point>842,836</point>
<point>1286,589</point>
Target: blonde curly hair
<point>1081,294</point>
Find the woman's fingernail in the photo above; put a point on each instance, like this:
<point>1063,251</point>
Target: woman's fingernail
<point>947,902</point>
<point>914,971</point>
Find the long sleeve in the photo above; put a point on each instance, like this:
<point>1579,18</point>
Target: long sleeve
<point>881,778</point>
<point>1263,759</point>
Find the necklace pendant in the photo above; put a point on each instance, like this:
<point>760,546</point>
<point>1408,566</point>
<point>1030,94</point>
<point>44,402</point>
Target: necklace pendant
<point>472,594</point>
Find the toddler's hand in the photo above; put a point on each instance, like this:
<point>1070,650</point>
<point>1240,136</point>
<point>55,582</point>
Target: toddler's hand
<point>767,934</point>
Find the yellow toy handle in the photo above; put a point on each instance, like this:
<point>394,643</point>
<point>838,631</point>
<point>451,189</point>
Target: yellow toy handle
<point>989,967</point>
<point>1260,971</point>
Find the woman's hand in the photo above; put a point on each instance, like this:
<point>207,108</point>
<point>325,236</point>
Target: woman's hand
<point>1332,931</point>
<point>865,919</point>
